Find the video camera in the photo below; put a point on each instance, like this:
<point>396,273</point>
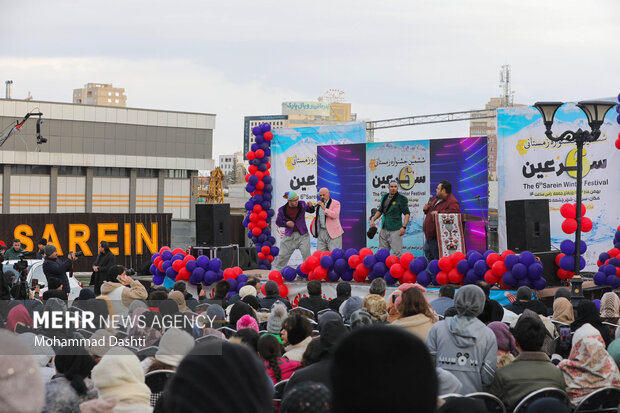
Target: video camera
<point>77,254</point>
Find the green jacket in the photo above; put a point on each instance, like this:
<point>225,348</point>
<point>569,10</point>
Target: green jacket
<point>11,254</point>
<point>530,371</point>
<point>392,220</point>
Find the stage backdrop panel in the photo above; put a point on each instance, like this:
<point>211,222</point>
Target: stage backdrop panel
<point>294,164</point>
<point>530,166</point>
<point>409,163</point>
<point>463,162</point>
<point>342,170</point>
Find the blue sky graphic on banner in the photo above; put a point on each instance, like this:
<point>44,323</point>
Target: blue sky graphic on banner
<point>530,166</point>
<point>342,170</point>
<point>294,164</point>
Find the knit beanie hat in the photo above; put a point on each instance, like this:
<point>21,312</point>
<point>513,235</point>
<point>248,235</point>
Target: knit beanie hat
<point>505,340</point>
<point>247,321</point>
<point>215,312</point>
<point>21,385</point>
<point>271,288</point>
<point>524,293</point>
<point>49,249</point>
<point>173,346</point>
<point>247,290</point>
<point>86,294</point>
<point>348,307</point>
<point>276,318</point>
<point>369,344</point>
<point>360,318</point>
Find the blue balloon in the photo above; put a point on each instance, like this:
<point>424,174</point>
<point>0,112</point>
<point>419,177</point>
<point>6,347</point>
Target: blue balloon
<point>166,255</point>
<point>382,254</point>
<point>535,271</point>
<point>519,271</point>
<point>526,258</point>
<point>600,278</point>
<point>603,256</point>
<point>262,167</point>
<point>510,261</point>
<point>262,238</point>
<point>266,205</point>
<point>249,205</point>
<point>267,179</point>
<point>288,273</point>
<point>171,273</point>
<point>257,199</point>
<point>253,180</point>
<point>271,238</point>
<point>567,263</point>
<point>509,279</point>
<point>259,140</point>
<point>256,130</point>
<point>418,265</point>
<point>165,265</point>
<point>582,263</point>
<point>539,284</point>
<point>250,188</point>
<point>347,275</point>
<point>262,267</point>
<point>158,280</point>
<point>424,278</point>
<point>215,264</point>
<point>254,147</point>
<point>608,269</point>
<point>191,265</point>
<point>462,266</point>
<point>275,251</point>
<point>268,188</point>
<point>470,277</point>
<point>197,276</point>
<point>340,265</point>
<point>154,257</point>
<point>337,253</point>
<point>614,261</point>
<point>203,261</point>
<point>433,267</point>
<point>332,276</point>
<point>584,247</point>
<point>327,262</point>
<point>176,258</point>
<point>265,127</point>
<point>480,267</point>
<point>369,261</point>
<point>473,258</point>
<point>242,278</point>
<point>379,268</point>
<point>611,279</point>
<point>271,213</point>
<point>349,252</point>
<point>161,273</point>
<point>233,284</point>
<point>389,280</point>
<point>153,269</point>
<point>615,283</point>
<point>567,247</point>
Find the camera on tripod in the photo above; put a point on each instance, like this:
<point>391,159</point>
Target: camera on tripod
<point>77,254</point>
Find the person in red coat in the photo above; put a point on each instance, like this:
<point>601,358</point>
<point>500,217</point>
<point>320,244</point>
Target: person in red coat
<point>442,203</point>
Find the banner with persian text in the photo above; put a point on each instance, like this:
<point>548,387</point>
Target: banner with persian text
<point>294,164</point>
<point>530,166</point>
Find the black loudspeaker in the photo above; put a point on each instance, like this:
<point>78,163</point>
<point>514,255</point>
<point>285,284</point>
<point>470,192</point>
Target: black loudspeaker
<point>248,258</point>
<point>550,269</point>
<point>212,225</point>
<point>527,225</point>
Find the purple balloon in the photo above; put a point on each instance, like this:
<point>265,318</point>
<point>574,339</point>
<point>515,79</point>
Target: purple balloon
<point>349,252</point>
<point>509,279</point>
<point>510,261</point>
<point>600,278</point>
<point>166,255</point>
<point>233,284</point>
<point>567,247</point>
<point>480,268</point>
<point>519,271</point>
<point>369,261</point>
<point>584,247</point>
<point>153,269</point>
<point>347,275</point>
<point>288,273</point>
<point>611,279</point>
<point>567,263</point>
<point>190,265</point>
<point>332,276</point>
<point>462,266</point>
<point>203,261</point>
<point>215,264</point>
<point>337,253</point>
<point>433,267</point>
<point>379,268</point>
<point>473,258</point>
<point>615,283</point>
<point>341,265</point>
<point>424,278</point>
<point>327,262</point>
<point>539,284</point>
<point>165,265</point>
<point>418,265</point>
<point>389,280</point>
<point>157,280</point>
<point>608,269</point>
<point>197,276</point>
<point>527,258</point>
<point>614,261</point>
<point>382,254</point>
<point>253,180</point>
<point>171,273</point>
<point>242,278</point>
<point>470,277</point>
<point>535,271</point>
<point>210,277</point>
<point>154,257</point>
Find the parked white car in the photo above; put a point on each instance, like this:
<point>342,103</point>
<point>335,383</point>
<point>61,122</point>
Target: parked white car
<point>35,271</point>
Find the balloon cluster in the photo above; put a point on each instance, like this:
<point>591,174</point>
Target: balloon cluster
<point>259,186</point>
<point>506,269</point>
<point>609,265</point>
<point>566,260</point>
<point>618,120</point>
<point>235,277</point>
<point>169,266</point>
<point>569,225</point>
<point>278,278</point>
<point>360,265</point>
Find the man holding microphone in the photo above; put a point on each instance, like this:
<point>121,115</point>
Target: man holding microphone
<point>392,206</point>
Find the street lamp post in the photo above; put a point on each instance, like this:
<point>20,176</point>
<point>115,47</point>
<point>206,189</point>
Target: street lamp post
<point>595,111</point>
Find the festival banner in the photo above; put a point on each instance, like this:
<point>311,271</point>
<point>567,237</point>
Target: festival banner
<point>530,166</point>
<point>294,165</point>
<point>409,164</point>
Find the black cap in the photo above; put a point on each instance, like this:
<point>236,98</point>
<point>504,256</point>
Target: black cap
<point>42,241</point>
<point>372,232</point>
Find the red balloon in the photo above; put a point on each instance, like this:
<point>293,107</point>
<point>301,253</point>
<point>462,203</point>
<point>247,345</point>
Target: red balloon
<point>251,225</point>
<point>618,143</point>
<point>405,259</point>
<point>558,258</point>
<point>262,289</point>
<point>283,290</point>
<point>490,278</point>
<point>317,254</point>
<point>613,252</point>
<point>269,258</point>
<point>257,208</point>
<point>256,231</point>
<point>507,253</point>
<point>247,177</point>
<point>188,258</point>
<point>391,260</point>
<point>229,273</point>
<point>320,273</point>
<point>311,276</point>
<point>304,268</point>
<point>261,256</point>
<point>237,270</point>
<point>498,269</point>
<point>251,155</point>
<point>563,274</point>
<point>442,277</point>
<point>268,164</point>
<point>445,264</point>
<point>262,224</point>
<point>312,262</point>
<point>583,209</point>
<point>165,248</point>
<point>183,275</point>
<point>252,169</point>
<point>268,135</point>
<point>253,217</point>
<point>178,251</point>
<point>397,270</point>
<point>364,252</point>
<point>324,253</point>
<point>568,211</point>
<point>262,215</point>
<point>492,259</point>
<point>177,265</point>
<point>259,153</point>
<point>276,276</point>
<point>455,277</point>
<point>586,224</point>
<point>354,261</point>
<point>265,249</point>
<point>569,226</point>
<point>158,262</point>
<point>260,185</point>
<point>360,268</point>
<point>408,277</point>
<point>359,277</point>
<point>456,257</point>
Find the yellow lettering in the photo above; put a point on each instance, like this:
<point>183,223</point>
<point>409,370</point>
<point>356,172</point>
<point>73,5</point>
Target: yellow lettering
<point>102,230</point>
<point>78,236</point>
<point>127,238</point>
<point>22,232</point>
<point>49,233</point>
<point>143,236</point>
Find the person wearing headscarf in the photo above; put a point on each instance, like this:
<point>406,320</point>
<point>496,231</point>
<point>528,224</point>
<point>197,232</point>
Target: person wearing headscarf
<point>362,358</point>
<point>200,386</point>
<point>21,386</point>
<point>347,308</point>
<point>238,310</point>
<point>278,368</point>
<point>18,316</point>
<point>173,346</point>
<point>562,292</point>
<point>361,318</point>
<point>614,351</point>
<point>296,334</point>
<point>587,313</point>
<point>610,307</point>
<point>177,297</point>
<point>307,397</point>
<point>144,330</point>
<point>563,311</point>
<point>60,397</point>
<point>524,301</point>
<point>589,367</point>
<point>506,345</point>
<point>74,366</point>
<point>333,331</point>
<point>375,306</point>
<point>119,376</point>
<point>463,345</point>
<point>85,294</point>
<point>42,353</point>
<point>416,315</point>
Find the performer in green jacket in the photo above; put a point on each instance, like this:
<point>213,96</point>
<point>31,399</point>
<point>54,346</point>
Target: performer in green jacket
<point>393,205</point>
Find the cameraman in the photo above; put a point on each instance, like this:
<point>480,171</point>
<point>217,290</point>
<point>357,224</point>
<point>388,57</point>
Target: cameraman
<point>105,260</point>
<point>52,268</point>
<point>14,252</point>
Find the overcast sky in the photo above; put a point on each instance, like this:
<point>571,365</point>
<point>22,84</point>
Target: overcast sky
<point>237,58</point>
